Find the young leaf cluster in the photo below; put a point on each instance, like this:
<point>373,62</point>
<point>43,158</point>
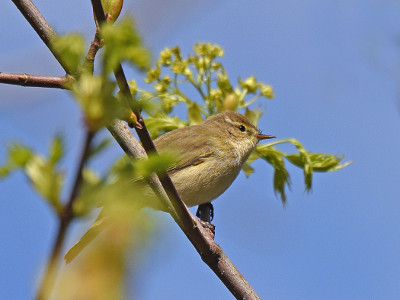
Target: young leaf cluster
<point>308,161</point>
<point>214,92</point>
<point>43,173</point>
<point>47,178</point>
<point>175,76</point>
<point>96,94</point>
<point>123,43</point>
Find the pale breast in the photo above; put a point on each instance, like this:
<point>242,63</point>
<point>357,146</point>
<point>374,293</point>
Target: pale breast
<point>204,182</point>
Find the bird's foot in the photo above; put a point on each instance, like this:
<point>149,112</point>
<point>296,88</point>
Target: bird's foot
<point>205,212</point>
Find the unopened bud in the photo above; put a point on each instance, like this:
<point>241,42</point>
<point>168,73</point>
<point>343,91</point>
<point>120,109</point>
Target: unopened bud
<point>112,9</point>
<point>230,102</point>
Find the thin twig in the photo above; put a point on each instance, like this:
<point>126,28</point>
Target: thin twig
<point>88,64</point>
<point>65,219</point>
<point>67,214</point>
<point>34,80</point>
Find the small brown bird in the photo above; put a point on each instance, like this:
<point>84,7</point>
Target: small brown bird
<point>211,155</point>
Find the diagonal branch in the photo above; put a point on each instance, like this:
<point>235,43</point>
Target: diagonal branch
<point>210,252</point>
<point>34,80</point>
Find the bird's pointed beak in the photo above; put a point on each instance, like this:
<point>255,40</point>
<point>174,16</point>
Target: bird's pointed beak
<point>261,136</point>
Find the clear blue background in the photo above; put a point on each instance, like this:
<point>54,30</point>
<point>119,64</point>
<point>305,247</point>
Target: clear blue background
<point>335,69</point>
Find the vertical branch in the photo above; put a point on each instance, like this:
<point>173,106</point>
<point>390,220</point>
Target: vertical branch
<point>65,219</point>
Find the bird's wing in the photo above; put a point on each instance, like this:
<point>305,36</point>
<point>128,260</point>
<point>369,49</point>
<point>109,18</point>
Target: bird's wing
<point>188,163</point>
<point>190,152</point>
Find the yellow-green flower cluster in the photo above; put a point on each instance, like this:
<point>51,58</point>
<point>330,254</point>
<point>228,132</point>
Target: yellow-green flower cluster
<point>174,72</point>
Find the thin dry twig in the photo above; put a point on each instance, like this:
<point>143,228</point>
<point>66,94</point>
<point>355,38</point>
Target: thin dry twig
<point>34,80</point>
<point>88,64</point>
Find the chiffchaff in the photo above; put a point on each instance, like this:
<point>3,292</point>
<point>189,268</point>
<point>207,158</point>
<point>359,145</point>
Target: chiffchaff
<point>210,158</point>
<point>211,155</point>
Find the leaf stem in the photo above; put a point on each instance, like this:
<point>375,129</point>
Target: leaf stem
<point>176,90</point>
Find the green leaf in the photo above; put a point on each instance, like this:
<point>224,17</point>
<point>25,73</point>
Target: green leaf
<point>313,161</point>
<point>71,48</point>
<point>320,162</point>
<point>45,179</point>
<point>85,240</point>
<point>303,160</point>
<point>168,103</point>
<point>253,115</point>
<point>281,175</point>
<point>154,164</point>
<point>119,199</point>
<point>118,185</point>
<point>19,155</point>
<point>266,90</point>
<point>308,161</point>
<point>163,123</point>
<point>95,95</point>
<point>247,169</point>
<point>194,113</point>
<point>122,42</point>
<point>249,84</point>
<point>231,102</point>
<point>165,57</point>
<point>307,167</point>
<point>223,83</point>
<point>179,67</point>
<point>208,49</point>
<point>56,150</point>
<point>152,75</point>
<point>123,166</point>
<point>4,171</point>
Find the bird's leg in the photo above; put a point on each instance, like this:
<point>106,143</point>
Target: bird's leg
<point>205,212</point>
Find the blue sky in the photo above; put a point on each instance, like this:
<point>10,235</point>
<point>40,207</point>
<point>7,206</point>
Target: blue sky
<point>334,66</point>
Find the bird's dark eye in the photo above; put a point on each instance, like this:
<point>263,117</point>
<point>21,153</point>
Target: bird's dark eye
<point>242,128</point>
